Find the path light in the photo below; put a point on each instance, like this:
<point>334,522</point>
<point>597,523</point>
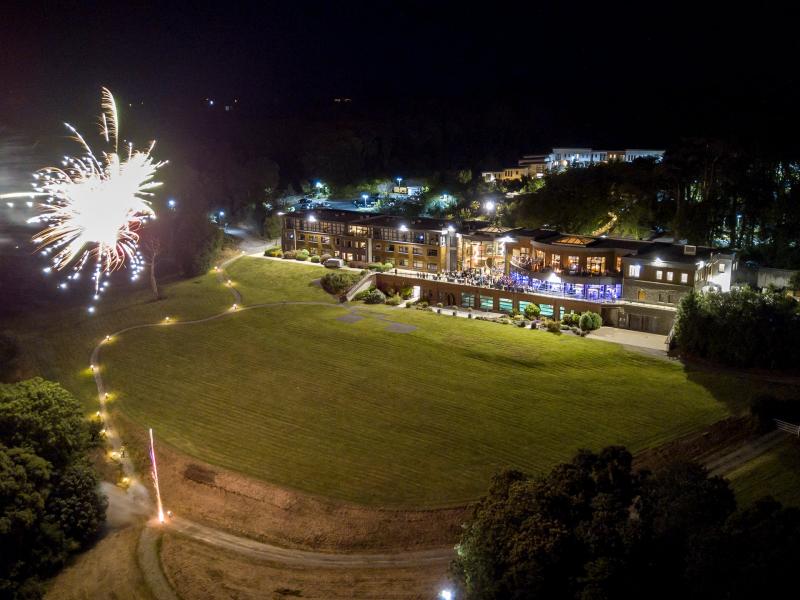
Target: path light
<point>230,282</point>
<point>446,595</point>
<point>166,319</point>
<point>108,338</point>
<point>233,307</point>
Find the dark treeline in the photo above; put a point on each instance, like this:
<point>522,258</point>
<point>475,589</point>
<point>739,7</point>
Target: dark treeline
<point>596,529</point>
<point>743,328</point>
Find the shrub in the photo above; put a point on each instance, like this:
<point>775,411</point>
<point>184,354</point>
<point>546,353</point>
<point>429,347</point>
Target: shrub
<point>324,257</point>
<point>521,323</point>
<point>301,257</point>
<point>439,305</point>
<point>394,300</point>
<point>315,259</point>
<point>375,296</point>
<point>590,321</point>
<point>357,264</point>
<point>571,319</point>
<point>375,266</point>
<point>363,293</point>
<point>406,292</point>
<point>514,313</point>
<point>275,252</point>
<point>532,311</point>
<point>553,326</point>
<point>290,255</point>
<point>388,266</point>
<point>337,282</point>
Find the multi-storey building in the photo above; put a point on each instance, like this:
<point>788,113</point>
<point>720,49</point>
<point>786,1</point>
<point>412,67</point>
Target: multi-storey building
<point>536,165</point>
<point>634,284</point>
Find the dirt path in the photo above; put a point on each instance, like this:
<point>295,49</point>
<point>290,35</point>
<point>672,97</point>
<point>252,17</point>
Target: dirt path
<point>136,499</point>
<point>726,462</point>
<point>305,558</point>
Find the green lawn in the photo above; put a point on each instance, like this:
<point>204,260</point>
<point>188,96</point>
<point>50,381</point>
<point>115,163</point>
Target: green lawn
<point>294,395</point>
<point>775,473</point>
<point>261,281</point>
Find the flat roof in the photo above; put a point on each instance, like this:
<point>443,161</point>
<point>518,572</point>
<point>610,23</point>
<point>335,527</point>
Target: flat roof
<point>330,214</point>
<point>673,253</point>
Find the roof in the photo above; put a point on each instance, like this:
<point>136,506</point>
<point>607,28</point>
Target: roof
<point>673,253</point>
<point>330,214</point>
<point>410,222</point>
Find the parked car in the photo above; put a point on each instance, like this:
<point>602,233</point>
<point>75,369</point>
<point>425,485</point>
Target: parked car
<point>334,263</point>
<point>322,204</point>
<point>305,203</point>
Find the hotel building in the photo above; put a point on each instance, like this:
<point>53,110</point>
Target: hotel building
<point>560,159</point>
<point>633,284</point>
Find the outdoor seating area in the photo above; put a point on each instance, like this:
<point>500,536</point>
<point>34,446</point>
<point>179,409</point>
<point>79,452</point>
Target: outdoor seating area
<point>516,282</point>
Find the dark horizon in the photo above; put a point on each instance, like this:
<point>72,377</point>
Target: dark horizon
<point>611,78</point>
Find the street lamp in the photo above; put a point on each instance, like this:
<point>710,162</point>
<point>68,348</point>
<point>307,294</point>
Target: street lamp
<point>446,595</point>
<point>171,203</point>
<point>399,179</point>
<point>489,206</point>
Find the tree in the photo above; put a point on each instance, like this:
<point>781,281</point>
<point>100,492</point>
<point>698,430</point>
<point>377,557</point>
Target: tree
<point>594,528</point>
<point>49,501</point>
<point>153,248</point>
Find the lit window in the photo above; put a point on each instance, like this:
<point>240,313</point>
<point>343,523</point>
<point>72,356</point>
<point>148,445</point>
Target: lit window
<point>684,278</point>
<point>670,275</point>
<point>659,275</point>
<point>633,270</point>
<point>721,267</point>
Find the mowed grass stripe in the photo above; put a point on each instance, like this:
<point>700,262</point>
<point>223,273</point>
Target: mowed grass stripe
<point>350,410</point>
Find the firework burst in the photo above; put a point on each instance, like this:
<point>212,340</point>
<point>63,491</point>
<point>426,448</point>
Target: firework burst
<point>94,207</point>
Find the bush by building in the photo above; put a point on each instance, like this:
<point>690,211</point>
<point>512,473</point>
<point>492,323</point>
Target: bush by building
<point>553,326</point>
<point>290,255</point>
<point>338,282</point>
<point>571,319</point>
<point>742,328</point>
<point>375,296</point>
<point>394,300</point>
<point>532,311</point>
<point>324,257</point>
<point>589,321</point>
<point>274,252</point>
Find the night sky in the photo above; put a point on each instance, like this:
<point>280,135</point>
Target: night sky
<point>637,76</point>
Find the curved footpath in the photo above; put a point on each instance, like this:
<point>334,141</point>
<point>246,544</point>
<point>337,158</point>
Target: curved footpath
<point>137,498</point>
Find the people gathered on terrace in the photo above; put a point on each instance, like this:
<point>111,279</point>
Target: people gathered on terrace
<point>516,282</point>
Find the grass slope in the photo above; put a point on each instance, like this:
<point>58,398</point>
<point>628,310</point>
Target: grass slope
<point>774,473</point>
<point>353,410</point>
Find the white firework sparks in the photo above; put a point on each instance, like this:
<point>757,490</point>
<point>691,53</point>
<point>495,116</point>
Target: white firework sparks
<point>95,207</point>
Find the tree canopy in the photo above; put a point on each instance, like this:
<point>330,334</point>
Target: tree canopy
<point>595,528</point>
<point>50,505</point>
